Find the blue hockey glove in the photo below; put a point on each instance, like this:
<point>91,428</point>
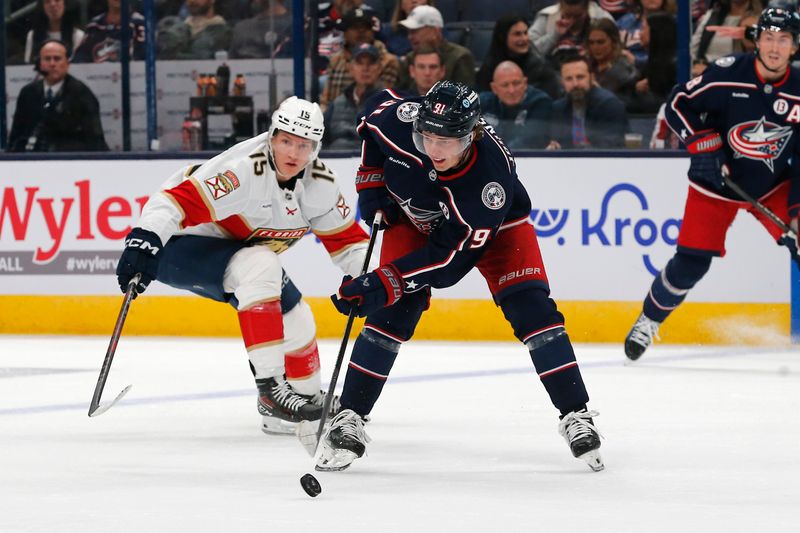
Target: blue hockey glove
<point>708,161</point>
<point>140,255</point>
<point>368,293</point>
<point>373,197</point>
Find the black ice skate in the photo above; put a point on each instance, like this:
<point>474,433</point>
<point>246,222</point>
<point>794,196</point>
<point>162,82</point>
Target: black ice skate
<point>640,337</point>
<point>343,442</point>
<point>282,408</point>
<point>579,431</point>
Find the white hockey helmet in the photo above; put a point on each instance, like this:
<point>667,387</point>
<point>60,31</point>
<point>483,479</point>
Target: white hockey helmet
<point>298,117</point>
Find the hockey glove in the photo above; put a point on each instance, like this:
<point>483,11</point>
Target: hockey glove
<point>368,293</point>
<point>373,197</point>
<point>142,248</point>
<point>708,161</point>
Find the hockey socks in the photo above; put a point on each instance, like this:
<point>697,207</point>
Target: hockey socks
<point>673,283</point>
<point>372,360</point>
<point>262,332</point>
<point>554,360</point>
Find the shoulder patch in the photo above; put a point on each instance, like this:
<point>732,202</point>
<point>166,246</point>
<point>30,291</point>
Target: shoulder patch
<point>725,61</point>
<point>222,184</point>
<point>493,195</point>
<point>407,111</point>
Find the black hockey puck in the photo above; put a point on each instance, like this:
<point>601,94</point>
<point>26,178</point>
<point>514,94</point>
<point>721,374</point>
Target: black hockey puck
<point>311,485</point>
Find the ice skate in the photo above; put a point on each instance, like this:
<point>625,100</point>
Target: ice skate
<point>579,431</point>
<point>282,408</point>
<point>343,442</point>
<point>640,337</point>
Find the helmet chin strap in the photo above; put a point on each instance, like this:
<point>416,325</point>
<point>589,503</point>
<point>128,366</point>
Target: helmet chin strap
<point>758,57</point>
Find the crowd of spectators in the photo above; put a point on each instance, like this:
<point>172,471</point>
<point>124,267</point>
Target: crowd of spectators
<point>628,48</point>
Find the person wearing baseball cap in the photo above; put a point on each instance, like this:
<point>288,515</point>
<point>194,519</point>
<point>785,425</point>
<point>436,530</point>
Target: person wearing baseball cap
<point>359,27</point>
<point>424,25</point>
<point>341,115</point>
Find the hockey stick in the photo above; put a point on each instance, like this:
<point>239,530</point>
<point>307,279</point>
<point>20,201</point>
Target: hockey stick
<point>767,212</point>
<point>94,408</point>
<point>305,429</point>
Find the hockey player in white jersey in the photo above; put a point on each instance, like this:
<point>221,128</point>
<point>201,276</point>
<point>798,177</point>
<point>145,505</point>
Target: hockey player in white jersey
<point>217,229</point>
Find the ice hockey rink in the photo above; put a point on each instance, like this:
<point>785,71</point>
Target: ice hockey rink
<point>464,438</point>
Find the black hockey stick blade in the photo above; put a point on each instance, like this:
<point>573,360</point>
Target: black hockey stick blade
<point>94,408</point>
<point>303,431</point>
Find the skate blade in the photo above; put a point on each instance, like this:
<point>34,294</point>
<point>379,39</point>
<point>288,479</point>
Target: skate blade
<point>306,432</point>
<point>594,460</point>
<point>276,426</point>
<point>340,460</point>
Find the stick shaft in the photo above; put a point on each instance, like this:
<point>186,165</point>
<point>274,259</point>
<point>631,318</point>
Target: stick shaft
<point>112,344</point>
<point>759,206</point>
<point>376,224</point>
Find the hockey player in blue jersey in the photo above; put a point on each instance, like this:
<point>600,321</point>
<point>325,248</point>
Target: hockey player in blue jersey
<point>741,117</point>
<point>451,200</point>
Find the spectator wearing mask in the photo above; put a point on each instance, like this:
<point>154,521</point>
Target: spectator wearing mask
<point>561,30</point>
<point>510,42</point>
<point>518,112</point>
<point>53,19</point>
<point>103,33</point>
<point>424,25</point>
<point>426,69</point>
<point>56,112</point>
<point>342,114</point>
<point>358,26</point>
<point>587,116</point>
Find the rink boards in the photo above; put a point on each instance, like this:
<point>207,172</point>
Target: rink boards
<point>605,226</point>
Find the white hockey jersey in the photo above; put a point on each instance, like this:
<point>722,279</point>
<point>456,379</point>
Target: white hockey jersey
<point>236,195</point>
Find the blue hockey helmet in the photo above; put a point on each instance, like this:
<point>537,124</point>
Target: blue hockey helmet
<point>450,109</point>
<point>778,19</point>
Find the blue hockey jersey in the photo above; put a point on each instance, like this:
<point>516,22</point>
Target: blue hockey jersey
<point>460,210</point>
<point>757,120</point>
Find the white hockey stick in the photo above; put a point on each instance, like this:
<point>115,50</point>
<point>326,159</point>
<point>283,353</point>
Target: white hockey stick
<point>308,432</point>
<point>95,408</point>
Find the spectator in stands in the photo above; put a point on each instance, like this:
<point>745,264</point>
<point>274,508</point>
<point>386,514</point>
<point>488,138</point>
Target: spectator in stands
<point>424,25</point>
<point>588,116</point>
<point>396,35</point>
<point>426,68</point>
<point>741,42</point>
<point>630,28</point>
<point>342,114</point>
<point>357,26</point>
<point>707,46</point>
<point>510,42</point>
<point>517,111</point>
<point>56,112</point>
<point>53,19</point>
<point>102,40</point>
<point>208,31</point>
<point>660,73</point>
<point>561,30</point>
<point>267,34</point>
<point>331,38</point>
<point>611,69</point>
<point>617,8</point>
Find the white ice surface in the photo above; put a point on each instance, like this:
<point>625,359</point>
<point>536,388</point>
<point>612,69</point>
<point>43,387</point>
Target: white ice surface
<point>464,439</point>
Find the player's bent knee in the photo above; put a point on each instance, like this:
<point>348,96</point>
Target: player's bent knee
<point>685,270</point>
<point>253,274</point>
<point>530,312</point>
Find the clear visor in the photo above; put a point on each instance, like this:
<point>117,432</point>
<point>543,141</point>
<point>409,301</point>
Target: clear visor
<point>438,147</point>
